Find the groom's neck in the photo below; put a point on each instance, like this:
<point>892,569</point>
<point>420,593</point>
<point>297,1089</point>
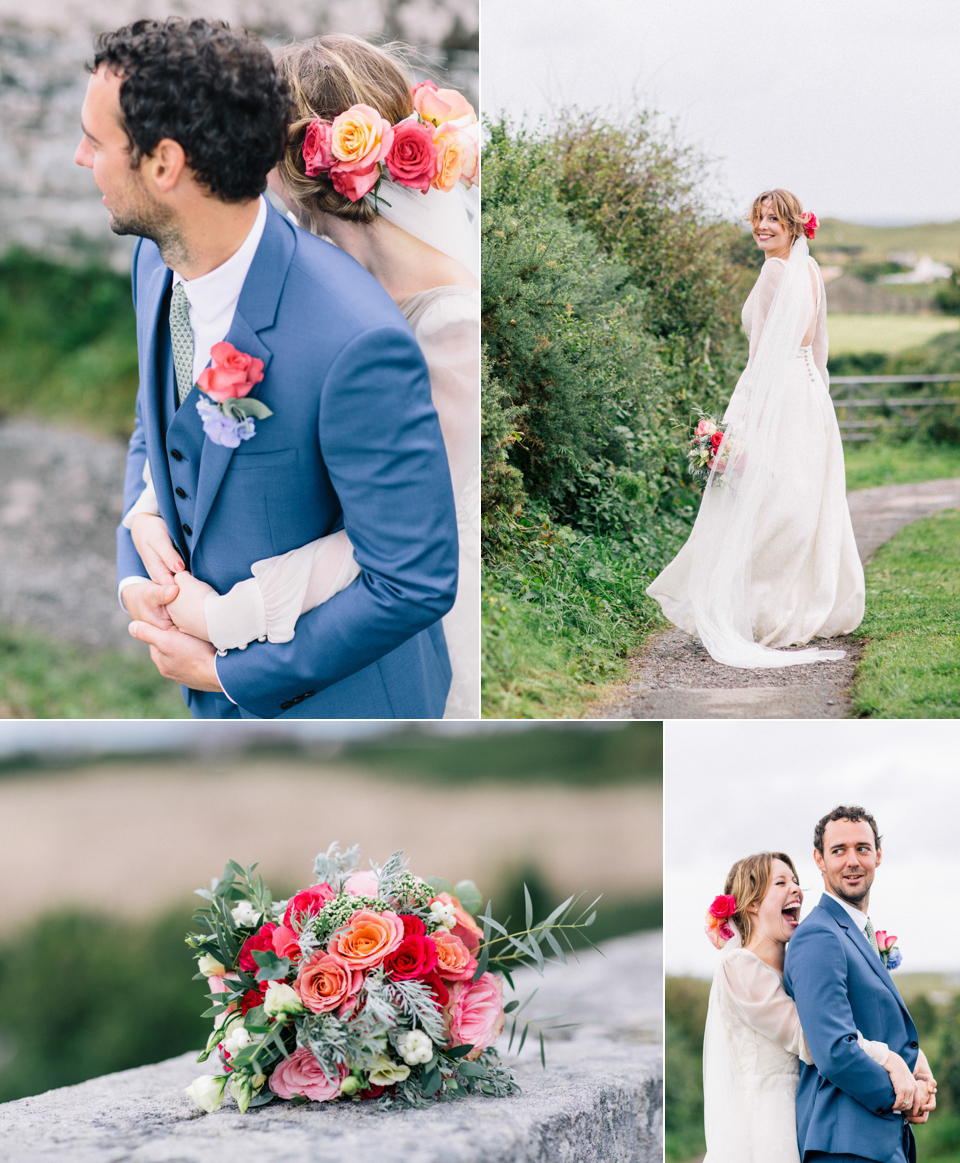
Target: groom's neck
<point>861,906</point>
<point>209,231</point>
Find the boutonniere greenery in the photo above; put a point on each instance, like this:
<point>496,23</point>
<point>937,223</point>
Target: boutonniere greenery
<point>228,415</point>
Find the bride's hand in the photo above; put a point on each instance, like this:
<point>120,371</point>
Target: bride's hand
<point>187,608</point>
<point>157,551</point>
<point>904,1084</point>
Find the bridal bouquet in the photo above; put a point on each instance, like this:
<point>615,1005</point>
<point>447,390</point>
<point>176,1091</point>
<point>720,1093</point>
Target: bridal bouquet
<point>366,985</point>
<point>705,454</point>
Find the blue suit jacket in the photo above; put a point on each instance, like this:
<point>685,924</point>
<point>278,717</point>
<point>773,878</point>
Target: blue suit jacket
<point>840,986</point>
<point>353,442</point>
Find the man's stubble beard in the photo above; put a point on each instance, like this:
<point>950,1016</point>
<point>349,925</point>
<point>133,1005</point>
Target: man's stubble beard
<point>154,222</point>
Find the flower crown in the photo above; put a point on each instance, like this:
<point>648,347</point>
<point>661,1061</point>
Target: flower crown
<point>430,148</point>
<point>810,224</point>
<point>717,929</point>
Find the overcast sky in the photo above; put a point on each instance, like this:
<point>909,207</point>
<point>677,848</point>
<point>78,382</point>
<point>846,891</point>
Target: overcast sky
<point>854,106</point>
<point>734,788</point>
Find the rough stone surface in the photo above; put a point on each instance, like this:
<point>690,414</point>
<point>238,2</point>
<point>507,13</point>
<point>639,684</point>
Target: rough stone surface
<point>598,1101</point>
<point>675,678</point>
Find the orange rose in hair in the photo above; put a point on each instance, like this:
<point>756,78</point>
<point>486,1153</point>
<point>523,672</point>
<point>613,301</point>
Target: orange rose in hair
<point>359,138</point>
<point>439,105</point>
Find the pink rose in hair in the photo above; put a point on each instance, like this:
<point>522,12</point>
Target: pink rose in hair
<point>353,184</point>
<point>301,1074</point>
<point>317,156</point>
<point>475,1013</point>
<point>439,105</point>
<point>723,906</point>
<point>232,374</point>
<point>412,158</point>
<point>810,225</point>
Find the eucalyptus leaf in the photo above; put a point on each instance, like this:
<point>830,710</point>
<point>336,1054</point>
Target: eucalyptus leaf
<point>249,406</point>
<point>439,885</point>
<point>469,896</point>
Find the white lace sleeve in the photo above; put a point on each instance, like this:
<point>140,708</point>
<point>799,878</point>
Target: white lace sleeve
<point>146,502</point>
<point>878,1051</point>
<point>756,991</point>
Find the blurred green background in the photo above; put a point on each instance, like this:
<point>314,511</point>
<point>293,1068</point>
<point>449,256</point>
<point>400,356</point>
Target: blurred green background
<point>94,987</point>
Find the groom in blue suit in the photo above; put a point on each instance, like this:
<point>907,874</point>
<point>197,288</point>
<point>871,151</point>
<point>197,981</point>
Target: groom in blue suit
<point>834,972</point>
<point>182,122</point>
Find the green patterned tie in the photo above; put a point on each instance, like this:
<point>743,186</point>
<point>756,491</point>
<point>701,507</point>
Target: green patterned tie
<point>871,936</point>
<point>181,337</point>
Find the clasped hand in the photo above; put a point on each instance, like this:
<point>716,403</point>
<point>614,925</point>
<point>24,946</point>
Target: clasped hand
<point>915,1092</point>
<point>168,611</point>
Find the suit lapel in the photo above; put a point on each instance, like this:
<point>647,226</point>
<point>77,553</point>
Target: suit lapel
<point>862,946</point>
<point>152,406</point>
<point>256,311</point>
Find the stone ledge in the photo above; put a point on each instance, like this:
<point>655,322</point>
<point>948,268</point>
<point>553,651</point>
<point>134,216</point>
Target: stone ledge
<point>600,1100</point>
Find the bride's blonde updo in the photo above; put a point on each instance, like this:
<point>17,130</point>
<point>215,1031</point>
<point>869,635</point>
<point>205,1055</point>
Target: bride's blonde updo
<point>326,76</point>
<point>748,881</point>
<point>787,207</point>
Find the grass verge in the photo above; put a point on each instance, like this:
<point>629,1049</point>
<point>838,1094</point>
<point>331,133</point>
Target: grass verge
<point>881,463</point>
<point>853,334</point>
<point>41,678</point>
<point>910,667</point>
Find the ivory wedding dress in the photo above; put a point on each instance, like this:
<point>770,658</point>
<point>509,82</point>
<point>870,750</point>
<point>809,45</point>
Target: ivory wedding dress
<point>771,561</point>
<point>752,1047</point>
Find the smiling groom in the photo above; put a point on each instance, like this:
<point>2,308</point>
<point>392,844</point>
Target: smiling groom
<point>835,972</point>
<point>182,122</point>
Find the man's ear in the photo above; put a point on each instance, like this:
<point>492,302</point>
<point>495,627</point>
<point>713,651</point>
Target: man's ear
<point>818,858</point>
<point>879,855</point>
<point>164,167</point>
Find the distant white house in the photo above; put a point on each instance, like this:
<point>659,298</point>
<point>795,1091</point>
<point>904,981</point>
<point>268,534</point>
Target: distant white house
<point>925,270</point>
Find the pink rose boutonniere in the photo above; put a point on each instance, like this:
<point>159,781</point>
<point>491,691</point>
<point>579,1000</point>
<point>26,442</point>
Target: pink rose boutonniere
<point>887,945</point>
<point>229,379</point>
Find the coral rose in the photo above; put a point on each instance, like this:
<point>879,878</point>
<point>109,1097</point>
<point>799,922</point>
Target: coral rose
<point>259,942</point>
<point>452,157</point>
<point>413,957</point>
<point>412,159</point>
<point>231,375</point>
<point>317,156</point>
<point>286,943</point>
<point>475,1013</point>
<point>367,938</point>
<point>455,962</point>
<point>307,904</point>
<point>301,1074</point>
<point>359,138</point>
<point>325,982</point>
<point>439,105</point>
<point>353,184</point>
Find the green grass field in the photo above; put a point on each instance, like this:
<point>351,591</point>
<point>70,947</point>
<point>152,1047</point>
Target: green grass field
<point>854,334</point>
<point>940,240</point>
<point>879,463</point>
<point>910,668</point>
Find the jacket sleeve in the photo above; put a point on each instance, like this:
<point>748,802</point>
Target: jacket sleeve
<point>128,560</point>
<point>816,978</point>
<point>383,449</point>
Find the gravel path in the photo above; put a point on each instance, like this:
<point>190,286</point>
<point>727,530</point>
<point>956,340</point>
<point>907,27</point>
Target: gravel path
<point>675,678</point>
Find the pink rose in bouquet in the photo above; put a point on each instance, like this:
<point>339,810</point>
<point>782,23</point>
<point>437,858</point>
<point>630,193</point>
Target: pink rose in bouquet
<point>455,962</point>
<point>307,903</point>
<point>326,981</point>
<point>260,942</point>
<point>301,1074</point>
<point>367,938</point>
<point>361,883</point>
<point>475,1013</point>
<point>232,374</point>
<point>412,159</point>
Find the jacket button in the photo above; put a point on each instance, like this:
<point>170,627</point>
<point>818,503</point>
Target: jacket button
<point>914,1045</point>
<point>176,454</point>
<point>309,694</point>
<point>286,706</point>
<point>188,530</point>
<point>180,493</point>
<point>879,1110</point>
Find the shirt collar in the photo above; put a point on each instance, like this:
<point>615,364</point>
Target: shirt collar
<point>212,293</point>
<point>860,918</point>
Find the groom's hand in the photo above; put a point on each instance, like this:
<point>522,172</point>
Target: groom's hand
<point>147,602</point>
<point>180,657</point>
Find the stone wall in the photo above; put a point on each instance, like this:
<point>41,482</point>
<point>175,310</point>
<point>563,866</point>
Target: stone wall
<point>49,204</point>
<point>600,1099</point>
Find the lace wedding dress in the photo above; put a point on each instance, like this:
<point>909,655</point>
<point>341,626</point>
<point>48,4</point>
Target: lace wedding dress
<point>771,561</point>
<point>752,1047</point>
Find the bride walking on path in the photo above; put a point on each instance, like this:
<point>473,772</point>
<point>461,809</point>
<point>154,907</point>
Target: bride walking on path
<point>771,561</point>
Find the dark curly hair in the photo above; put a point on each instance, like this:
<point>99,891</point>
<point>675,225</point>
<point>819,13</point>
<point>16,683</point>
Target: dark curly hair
<point>853,814</point>
<point>212,90</point>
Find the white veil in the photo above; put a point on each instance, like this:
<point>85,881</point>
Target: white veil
<point>721,1097</point>
<point>755,452</point>
<point>449,222</point>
